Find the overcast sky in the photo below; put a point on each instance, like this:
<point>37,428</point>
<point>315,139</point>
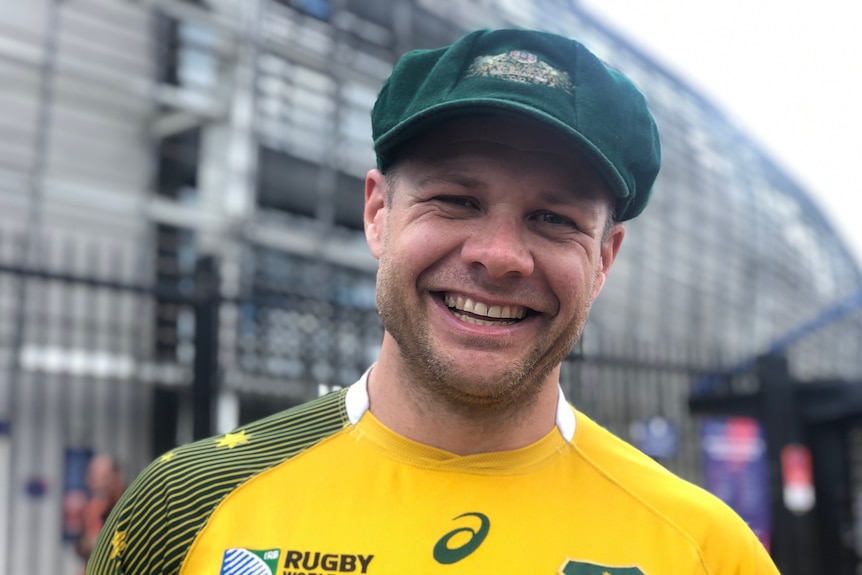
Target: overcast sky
<point>788,73</point>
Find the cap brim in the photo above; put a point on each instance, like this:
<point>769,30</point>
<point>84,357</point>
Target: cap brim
<point>421,122</point>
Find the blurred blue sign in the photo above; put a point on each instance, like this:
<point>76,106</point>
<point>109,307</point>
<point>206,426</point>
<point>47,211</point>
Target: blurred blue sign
<point>656,436</point>
<point>736,469</point>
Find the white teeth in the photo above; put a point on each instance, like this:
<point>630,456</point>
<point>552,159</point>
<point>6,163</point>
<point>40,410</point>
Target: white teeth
<point>476,321</point>
<point>460,303</point>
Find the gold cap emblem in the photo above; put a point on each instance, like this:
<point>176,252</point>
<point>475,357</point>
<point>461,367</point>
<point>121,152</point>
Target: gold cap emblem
<point>520,66</point>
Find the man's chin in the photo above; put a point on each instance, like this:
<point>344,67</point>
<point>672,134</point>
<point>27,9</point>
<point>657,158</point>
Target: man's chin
<point>476,386</point>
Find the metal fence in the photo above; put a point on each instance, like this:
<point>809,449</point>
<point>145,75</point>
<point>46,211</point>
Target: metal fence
<point>96,361</point>
<point>124,349</point>
<point>73,356</point>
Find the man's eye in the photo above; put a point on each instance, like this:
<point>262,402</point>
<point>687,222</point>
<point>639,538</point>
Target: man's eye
<point>457,201</point>
<point>556,219</point>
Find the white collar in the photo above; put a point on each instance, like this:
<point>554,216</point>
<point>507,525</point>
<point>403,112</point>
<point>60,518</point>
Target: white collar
<point>357,404</point>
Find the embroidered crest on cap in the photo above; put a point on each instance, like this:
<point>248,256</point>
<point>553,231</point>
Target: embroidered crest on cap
<point>520,66</point>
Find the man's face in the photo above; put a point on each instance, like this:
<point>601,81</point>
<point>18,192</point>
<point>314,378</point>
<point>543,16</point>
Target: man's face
<point>492,247</point>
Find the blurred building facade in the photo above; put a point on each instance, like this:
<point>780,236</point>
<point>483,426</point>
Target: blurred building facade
<point>139,137</point>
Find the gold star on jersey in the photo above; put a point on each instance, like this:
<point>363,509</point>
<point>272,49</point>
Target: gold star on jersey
<point>231,440</point>
<point>118,544</point>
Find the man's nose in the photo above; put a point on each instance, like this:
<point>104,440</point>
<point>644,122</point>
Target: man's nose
<point>500,245</point>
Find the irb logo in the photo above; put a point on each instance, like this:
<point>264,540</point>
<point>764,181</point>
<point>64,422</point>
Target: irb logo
<point>250,561</point>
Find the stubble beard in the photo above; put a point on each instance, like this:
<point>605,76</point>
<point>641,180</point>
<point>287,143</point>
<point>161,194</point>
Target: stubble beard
<point>433,379</point>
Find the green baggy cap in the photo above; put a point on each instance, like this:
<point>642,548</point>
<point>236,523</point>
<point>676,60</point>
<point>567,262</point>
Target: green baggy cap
<point>545,77</point>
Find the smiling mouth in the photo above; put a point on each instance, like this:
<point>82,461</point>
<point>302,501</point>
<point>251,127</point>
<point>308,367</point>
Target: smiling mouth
<point>469,310</point>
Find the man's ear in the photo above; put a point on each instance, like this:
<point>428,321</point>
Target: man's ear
<point>375,211</point>
<point>609,249</point>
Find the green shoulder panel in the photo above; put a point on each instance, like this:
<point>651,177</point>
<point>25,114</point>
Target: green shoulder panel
<point>159,515</point>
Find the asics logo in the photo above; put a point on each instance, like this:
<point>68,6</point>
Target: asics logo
<point>446,555</point>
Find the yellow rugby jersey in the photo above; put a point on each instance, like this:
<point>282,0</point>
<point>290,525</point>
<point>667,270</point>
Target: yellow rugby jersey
<point>327,489</point>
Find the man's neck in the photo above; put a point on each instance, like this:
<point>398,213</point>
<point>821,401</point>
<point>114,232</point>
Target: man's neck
<point>464,430</point>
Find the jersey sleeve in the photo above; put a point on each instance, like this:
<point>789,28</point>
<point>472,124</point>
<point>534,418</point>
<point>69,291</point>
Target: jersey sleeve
<point>152,527</point>
<point>141,532</point>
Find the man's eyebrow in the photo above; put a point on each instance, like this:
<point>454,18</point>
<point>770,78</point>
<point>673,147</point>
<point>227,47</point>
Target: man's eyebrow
<point>458,179</point>
<point>589,202</point>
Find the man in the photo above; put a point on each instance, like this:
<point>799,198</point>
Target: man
<point>105,483</point>
<point>506,163</point>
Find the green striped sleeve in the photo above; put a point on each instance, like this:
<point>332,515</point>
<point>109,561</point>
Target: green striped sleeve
<point>160,514</point>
